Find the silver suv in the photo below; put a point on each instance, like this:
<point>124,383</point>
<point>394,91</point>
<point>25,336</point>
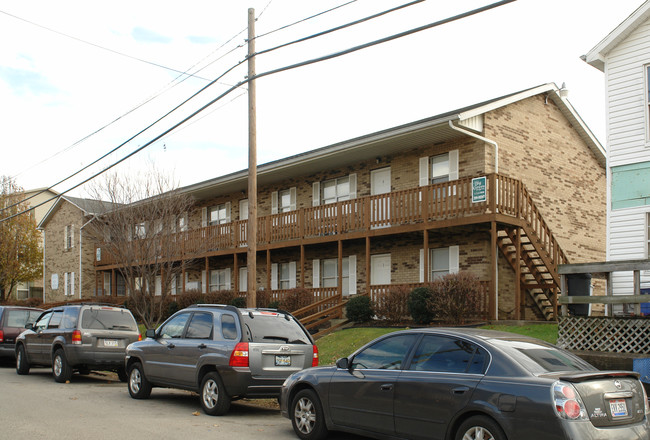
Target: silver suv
<point>221,352</point>
<point>79,337</point>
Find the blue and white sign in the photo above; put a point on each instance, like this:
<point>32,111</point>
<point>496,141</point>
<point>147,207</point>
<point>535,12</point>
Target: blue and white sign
<point>479,189</point>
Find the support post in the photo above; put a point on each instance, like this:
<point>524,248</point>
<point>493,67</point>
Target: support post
<point>425,257</point>
<point>368,266</point>
<point>519,302</point>
<point>493,312</point>
<point>251,299</point>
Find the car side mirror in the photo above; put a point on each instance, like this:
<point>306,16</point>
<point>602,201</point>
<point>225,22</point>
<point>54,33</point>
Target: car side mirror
<point>343,364</point>
<point>150,333</point>
<point>29,326</point>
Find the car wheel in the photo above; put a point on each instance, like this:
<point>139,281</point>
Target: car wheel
<point>139,386</point>
<point>122,375</point>
<point>22,366</point>
<point>480,428</point>
<point>214,400</point>
<point>307,416</point>
<point>60,367</point>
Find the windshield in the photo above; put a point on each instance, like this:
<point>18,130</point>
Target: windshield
<point>108,319</point>
<point>274,327</point>
<point>541,358</point>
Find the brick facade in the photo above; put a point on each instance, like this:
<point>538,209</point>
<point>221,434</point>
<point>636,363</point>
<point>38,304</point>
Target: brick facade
<point>537,145</point>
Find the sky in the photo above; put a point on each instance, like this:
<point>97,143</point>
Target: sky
<point>79,79</point>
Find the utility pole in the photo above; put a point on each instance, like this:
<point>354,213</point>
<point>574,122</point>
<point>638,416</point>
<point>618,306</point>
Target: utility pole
<point>251,294</point>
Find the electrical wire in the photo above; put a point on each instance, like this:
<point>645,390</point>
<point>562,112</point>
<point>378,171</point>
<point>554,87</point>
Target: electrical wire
<point>99,46</point>
<point>338,28</point>
<point>204,67</point>
<point>303,20</point>
<point>267,73</point>
<point>185,76</point>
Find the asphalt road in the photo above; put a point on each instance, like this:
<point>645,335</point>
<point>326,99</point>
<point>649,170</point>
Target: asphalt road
<point>98,406</point>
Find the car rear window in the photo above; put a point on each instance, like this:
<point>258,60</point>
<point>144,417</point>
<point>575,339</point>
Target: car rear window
<point>274,327</point>
<point>108,319</point>
<point>540,358</point>
<point>18,318</point>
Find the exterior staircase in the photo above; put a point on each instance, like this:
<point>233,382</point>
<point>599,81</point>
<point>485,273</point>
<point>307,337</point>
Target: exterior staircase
<point>539,277</point>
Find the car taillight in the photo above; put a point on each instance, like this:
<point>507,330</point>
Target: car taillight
<point>139,336</point>
<point>645,399</point>
<point>567,402</point>
<point>314,359</point>
<point>2,336</point>
<point>76,337</point>
<point>239,356</point>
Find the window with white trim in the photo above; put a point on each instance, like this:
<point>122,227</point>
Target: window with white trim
<point>219,280</point>
<point>326,274</point>
<point>439,263</point>
<point>647,235</point>
<point>439,168</point>
<point>219,214</point>
<point>68,237</point>
<point>68,278</point>
<point>140,230</point>
<point>284,200</point>
<point>107,284</point>
<point>442,261</point>
<point>243,279</point>
<point>284,276</point>
<point>335,190</point>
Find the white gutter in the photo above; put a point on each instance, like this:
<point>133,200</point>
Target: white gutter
<point>496,171</point>
<point>489,141</point>
<point>80,248</point>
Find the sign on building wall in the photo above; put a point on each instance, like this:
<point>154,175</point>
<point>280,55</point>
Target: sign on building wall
<point>479,189</point>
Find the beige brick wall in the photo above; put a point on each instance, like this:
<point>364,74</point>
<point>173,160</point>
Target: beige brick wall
<point>538,145</point>
<point>58,260</point>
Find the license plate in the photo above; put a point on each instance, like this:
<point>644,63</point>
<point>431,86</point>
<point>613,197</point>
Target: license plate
<point>282,361</point>
<point>618,408</point>
<point>110,343</point>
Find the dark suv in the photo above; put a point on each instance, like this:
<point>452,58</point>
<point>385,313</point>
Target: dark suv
<point>221,352</point>
<point>13,320</point>
<point>79,337</point>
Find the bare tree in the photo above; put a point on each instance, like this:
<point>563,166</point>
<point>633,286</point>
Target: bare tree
<point>143,231</point>
<point>21,256</point>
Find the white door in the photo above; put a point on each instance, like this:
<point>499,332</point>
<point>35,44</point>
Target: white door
<point>380,208</point>
<point>380,269</point>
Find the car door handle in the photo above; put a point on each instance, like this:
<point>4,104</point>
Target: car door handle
<point>460,390</point>
<point>387,387</point>
<point>202,346</point>
<point>170,345</point>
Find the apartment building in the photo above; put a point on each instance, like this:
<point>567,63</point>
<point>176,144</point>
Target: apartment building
<point>505,189</point>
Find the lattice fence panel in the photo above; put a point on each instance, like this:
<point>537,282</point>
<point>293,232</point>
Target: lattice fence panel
<point>616,335</point>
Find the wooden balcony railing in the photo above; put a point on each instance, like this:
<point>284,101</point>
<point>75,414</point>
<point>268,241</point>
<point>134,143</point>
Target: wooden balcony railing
<point>442,201</point>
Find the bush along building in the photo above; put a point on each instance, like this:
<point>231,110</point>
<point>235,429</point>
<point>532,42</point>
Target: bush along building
<point>505,189</point>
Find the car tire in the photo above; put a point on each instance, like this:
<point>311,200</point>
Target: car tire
<point>480,427</point>
<point>213,397</point>
<point>138,384</point>
<point>22,365</point>
<point>60,368</point>
<point>307,416</point>
<point>122,375</point>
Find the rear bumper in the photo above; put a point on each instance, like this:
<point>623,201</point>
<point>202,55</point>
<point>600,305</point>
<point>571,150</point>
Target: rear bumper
<point>240,382</point>
<point>585,430</point>
<point>109,360</point>
<point>8,350</point>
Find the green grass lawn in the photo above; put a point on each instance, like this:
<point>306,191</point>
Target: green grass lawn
<point>344,342</point>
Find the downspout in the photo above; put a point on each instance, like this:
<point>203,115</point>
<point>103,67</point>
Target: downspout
<point>496,171</point>
<point>80,248</point>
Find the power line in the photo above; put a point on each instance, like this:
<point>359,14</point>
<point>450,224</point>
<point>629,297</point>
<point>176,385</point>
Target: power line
<point>338,28</point>
<point>302,20</point>
<point>101,47</point>
<point>272,72</point>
